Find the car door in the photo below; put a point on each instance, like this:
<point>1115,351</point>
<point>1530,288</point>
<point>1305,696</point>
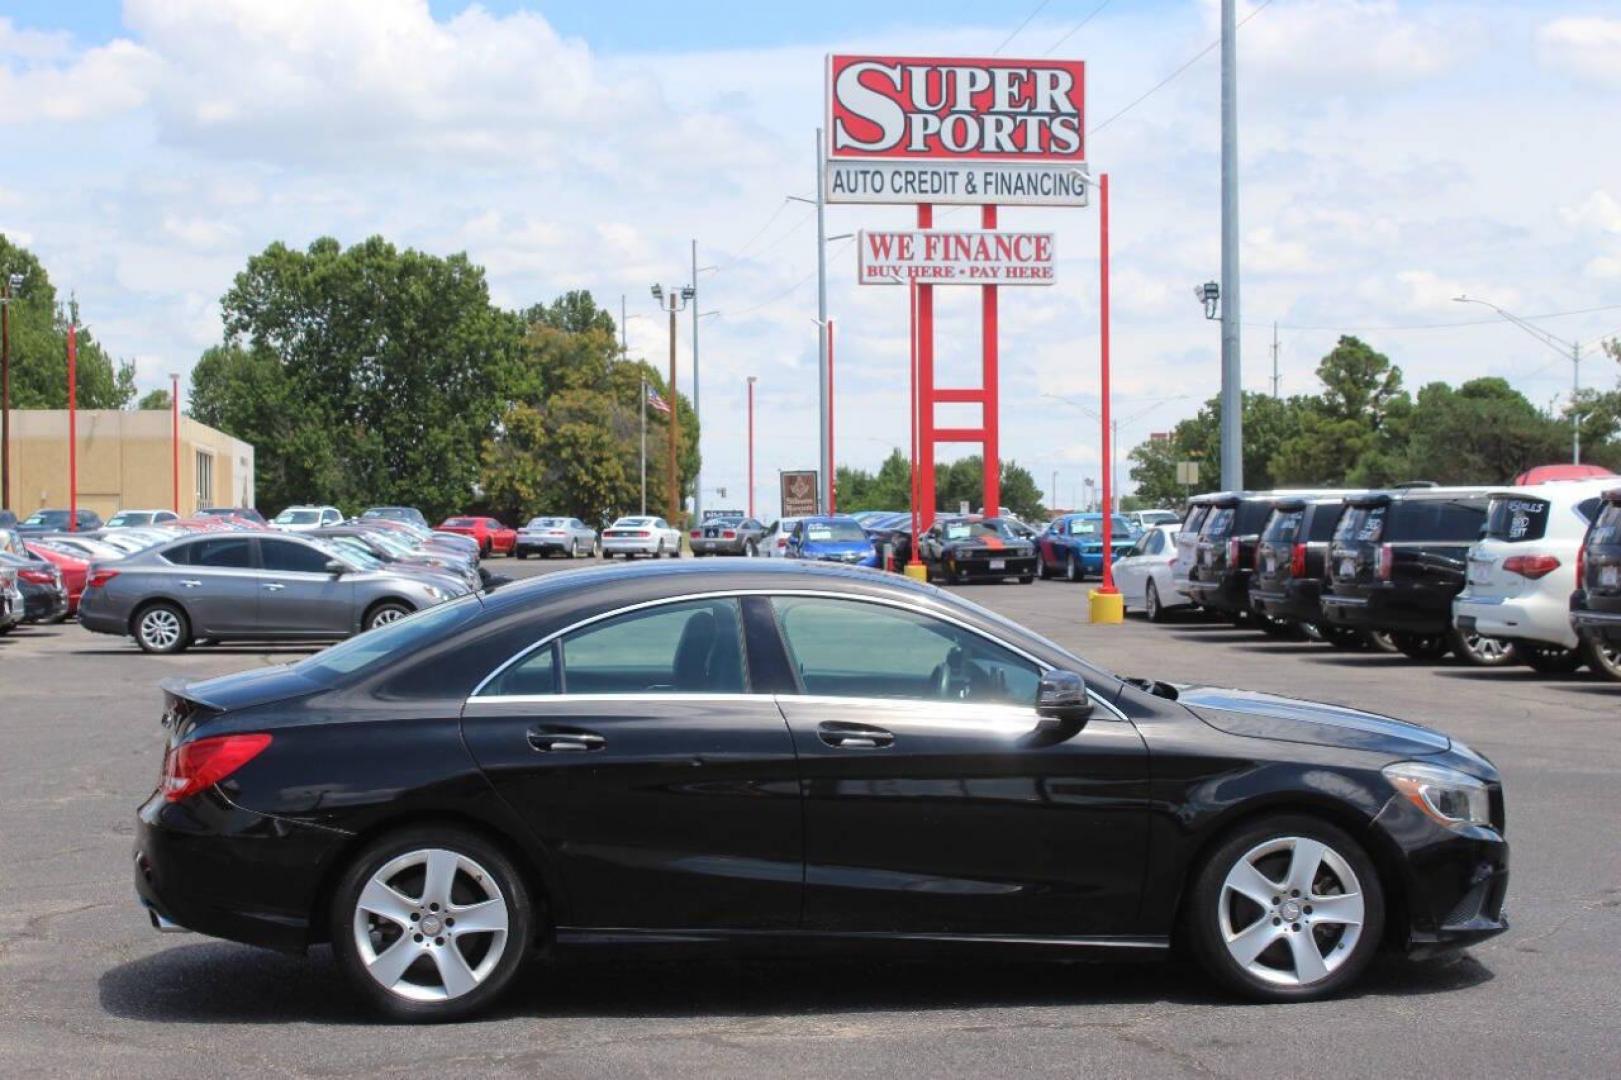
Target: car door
<point>667,792</point>
<point>1129,569</point>
<point>217,581</point>
<point>932,803</point>
<point>297,595</point>
<point>1051,544</point>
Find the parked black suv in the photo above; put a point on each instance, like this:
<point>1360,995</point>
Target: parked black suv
<point>1187,542</point>
<point>1291,563</point>
<point>1595,606</point>
<point>1224,558</point>
<point>1396,561</point>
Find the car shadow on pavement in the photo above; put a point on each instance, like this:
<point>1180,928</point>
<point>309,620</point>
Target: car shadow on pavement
<point>223,983</point>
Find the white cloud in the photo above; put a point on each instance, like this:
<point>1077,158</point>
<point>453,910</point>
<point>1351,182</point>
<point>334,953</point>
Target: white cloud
<point>1600,210</point>
<point>1347,46</point>
<point>1588,47</point>
<point>102,82</point>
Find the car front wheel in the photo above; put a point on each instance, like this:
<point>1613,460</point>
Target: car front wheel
<point>1483,651</point>
<point>1422,646</point>
<point>1286,909</point>
<point>1603,657</point>
<point>162,628</point>
<point>1151,604</point>
<point>386,612</point>
<point>431,923</point>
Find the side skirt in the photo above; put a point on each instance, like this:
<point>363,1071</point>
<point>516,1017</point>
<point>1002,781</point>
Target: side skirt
<point>1104,947</point>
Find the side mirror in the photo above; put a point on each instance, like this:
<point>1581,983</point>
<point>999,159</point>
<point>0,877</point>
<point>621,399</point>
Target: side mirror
<point>335,568</point>
<point>1062,701</point>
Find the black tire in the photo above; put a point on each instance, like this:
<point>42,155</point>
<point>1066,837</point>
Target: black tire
<point>1026,579</point>
<point>1042,570</point>
<point>520,553</point>
<point>751,550</point>
<point>1379,641</point>
<point>1603,658</point>
<point>1203,914</point>
<point>385,611</point>
<point>494,871</point>
<point>1478,650</point>
<point>484,550</point>
<point>1343,637</point>
<point>161,627</point>
<point>1153,607</point>
<point>1423,646</point>
<point>1277,628</point>
<point>1549,659</point>
<point>1072,569</point>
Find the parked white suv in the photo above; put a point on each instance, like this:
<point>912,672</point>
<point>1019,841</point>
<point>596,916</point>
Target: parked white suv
<point>306,518</point>
<point>1523,570</point>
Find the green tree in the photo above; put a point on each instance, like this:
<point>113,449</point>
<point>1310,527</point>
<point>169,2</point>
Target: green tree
<point>890,488</point>
<point>1358,382</point>
<point>1483,432</point>
<point>247,393</point>
<point>395,364</point>
<point>155,399</point>
<point>963,481</point>
<point>575,312</point>
<point>39,333</point>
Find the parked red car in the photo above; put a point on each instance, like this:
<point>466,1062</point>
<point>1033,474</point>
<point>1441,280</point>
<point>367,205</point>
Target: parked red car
<point>73,568</point>
<point>493,537</point>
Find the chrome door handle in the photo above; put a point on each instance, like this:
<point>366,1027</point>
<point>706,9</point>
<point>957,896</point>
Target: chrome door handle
<point>565,741</point>
<point>274,586</point>
<point>847,736</point>
<point>189,583</point>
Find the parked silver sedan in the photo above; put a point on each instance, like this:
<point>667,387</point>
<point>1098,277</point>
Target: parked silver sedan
<point>556,536</point>
<point>727,536</point>
<point>254,586</point>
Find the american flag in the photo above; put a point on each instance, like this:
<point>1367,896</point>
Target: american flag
<point>657,402</point>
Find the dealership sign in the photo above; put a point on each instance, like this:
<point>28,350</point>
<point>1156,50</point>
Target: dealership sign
<point>913,130</point>
<point>800,493</point>
<point>955,258</point>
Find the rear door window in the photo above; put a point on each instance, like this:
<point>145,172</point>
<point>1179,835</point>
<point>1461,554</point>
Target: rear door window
<point>1517,519</point>
<point>1606,530</point>
<point>228,552</point>
<point>1322,521</point>
<point>1219,524</point>
<point>1436,521</point>
<point>1283,526</point>
<point>1252,514</point>
<point>1361,525</point>
<point>686,648</point>
<point>1195,519</point>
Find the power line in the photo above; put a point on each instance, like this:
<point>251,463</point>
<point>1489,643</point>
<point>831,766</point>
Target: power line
<point>1163,83</point>
<point>1020,28</point>
<point>1433,326</point>
<point>1076,28</point>
<point>795,287</point>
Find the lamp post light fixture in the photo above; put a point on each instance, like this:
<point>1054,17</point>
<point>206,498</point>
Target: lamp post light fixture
<point>675,303</point>
<point>1209,294</point>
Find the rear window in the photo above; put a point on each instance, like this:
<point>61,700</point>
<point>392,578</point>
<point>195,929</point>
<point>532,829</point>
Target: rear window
<point>1323,518</point>
<point>1195,518</point>
<point>1283,526</point>
<point>1517,519</point>
<point>1435,520</point>
<point>1251,516</point>
<point>1607,529</point>
<point>1361,525</point>
<point>389,640</point>
<point>1219,523</point>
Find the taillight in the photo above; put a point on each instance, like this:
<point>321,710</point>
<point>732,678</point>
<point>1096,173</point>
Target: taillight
<point>698,534</point>
<point>727,534</point>
<point>1233,552</point>
<point>197,766</point>
<point>34,577</point>
<point>1297,561</point>
<point>1581,566</point>
<point>1531,566</point>
<point>1387,559</point>
<point>642,533</point>
<point>99,576</point>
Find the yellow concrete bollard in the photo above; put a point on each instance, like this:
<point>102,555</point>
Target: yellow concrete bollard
<point>917,572</point>
<point>1105,607</point>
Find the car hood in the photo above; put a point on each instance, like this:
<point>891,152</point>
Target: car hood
<point>1268,716</point>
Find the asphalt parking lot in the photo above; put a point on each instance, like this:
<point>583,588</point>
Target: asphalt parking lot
<point>90,989</point>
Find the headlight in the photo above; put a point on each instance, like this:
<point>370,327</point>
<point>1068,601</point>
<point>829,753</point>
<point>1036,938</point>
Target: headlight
<point>1446,796</point>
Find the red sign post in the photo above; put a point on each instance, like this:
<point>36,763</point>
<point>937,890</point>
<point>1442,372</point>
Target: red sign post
<point>959,131</point>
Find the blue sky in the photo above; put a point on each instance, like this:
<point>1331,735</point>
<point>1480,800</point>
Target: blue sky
<point>1395,153</point>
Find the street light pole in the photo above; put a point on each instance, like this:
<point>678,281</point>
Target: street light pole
<point>697,414</point>
<point>751,445</point>
<point>6,287</point>
<point>174,440</point>
<point>1232,387</point>
<point>677,302</point>
<point>73,426</point>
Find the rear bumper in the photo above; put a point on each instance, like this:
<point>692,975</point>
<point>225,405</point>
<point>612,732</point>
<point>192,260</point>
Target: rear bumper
<point>43,604</point>
<point>631,545</point>
<point>96,614</point>
<point>1600,624</point>
<point>1539,619</point>
<point>1292,601</point>
<point>1229,592</point>
<point>529,545</point>
<point>705,546</point>
<point>208,866</point>
<point>1386,612</point>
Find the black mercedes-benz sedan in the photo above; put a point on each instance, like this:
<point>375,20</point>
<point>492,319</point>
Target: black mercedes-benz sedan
<point>769,753</point>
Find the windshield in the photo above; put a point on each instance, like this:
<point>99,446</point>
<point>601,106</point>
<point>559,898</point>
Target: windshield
<point>547,523</point>
<point>633,523</point>
<point>833,532</point>
<point>133,518</point>
<point>1094,526</point>
<point>47,517</point>
<point>975,530</point>
<point>390,544</point>
<point>461,523</point>
<point>1283,526</point>
<point>344,555</point>
<point>390,639</point>
<point>353,549</point>
<point>298,517</point>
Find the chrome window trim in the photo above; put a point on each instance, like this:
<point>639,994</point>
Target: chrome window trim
<point>719,594</point>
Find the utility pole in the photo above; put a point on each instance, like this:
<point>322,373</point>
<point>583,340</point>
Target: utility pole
<point>677,301</point>
<point>641,398</point>
<point>174,441</point>
<point>1054,505</point>
<point>697,414</point>
<point>1274,360</point>
<point>751,445</point>
<point>1232,385</point>
<point>824,457</point>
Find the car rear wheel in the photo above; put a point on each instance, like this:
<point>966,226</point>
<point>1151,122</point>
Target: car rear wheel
<point>162,628</point>
<point>1343,637</point>
<point>1072,569</point>
<point>1482,651</point>
<point>1286,909</point>
<point>1379,641</point>
<point>1603,657</point>
<point>386,612</point>
<point>1422,646</point>
<point>1151,604</point>
<point>520,553</point>
<point>750,550</point>
<point>1549,659</point>
<point>431,924</point>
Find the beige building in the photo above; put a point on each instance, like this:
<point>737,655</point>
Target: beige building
<point>125,462</point>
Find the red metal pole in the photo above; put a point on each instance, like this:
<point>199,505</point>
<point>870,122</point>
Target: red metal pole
<point>914,292</point>
<point>174,436</point>
<point>751,446</point>
<point>832,460</point>
<point>73,428</point>
<point>989,403</point>
<point>1108,487</point>
<point>925,384</point>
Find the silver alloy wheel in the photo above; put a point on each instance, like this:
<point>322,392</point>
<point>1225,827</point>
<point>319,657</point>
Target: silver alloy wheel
<point>1488,650</point>
<point>160,628</point>
<point>439,944</point>
<point>1295,929</point>
<point>388,615</point>
<point>1151,602</point>
<point>1072,572</point>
